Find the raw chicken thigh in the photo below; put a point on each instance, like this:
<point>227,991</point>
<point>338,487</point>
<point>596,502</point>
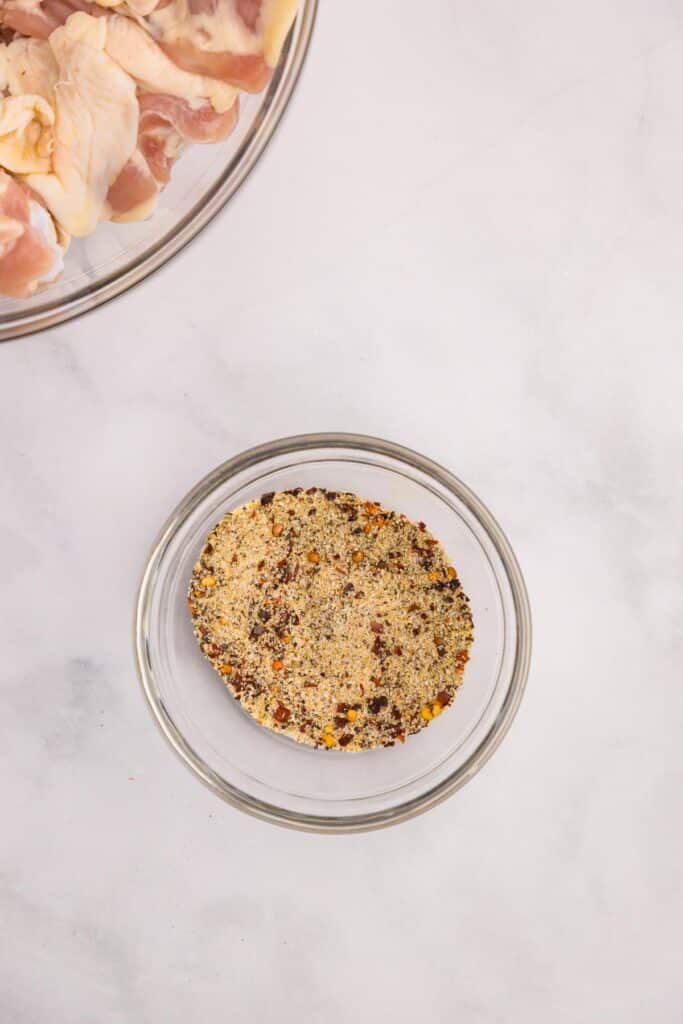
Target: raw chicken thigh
<point>96,126</point>
<point>238,41</point>
<point>39,18</point>
<point>97,101</point>
<point>31,248</point>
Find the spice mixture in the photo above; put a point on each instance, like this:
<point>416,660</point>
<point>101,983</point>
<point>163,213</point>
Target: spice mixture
<point>333,620</point>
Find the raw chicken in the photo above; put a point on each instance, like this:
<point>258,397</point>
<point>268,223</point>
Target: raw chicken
<point>168,118</point>
<point>38,18</point>
<point>133,195</point>
<point>96,126</point>
<point>137,53</point>
<point>173,111</point>
<point>31,250</point>
<point>26,134</point>
<point>134,8</point>
<point>166,124</point>
<point>29,67</point>
<point>97,101</point>
<point>237,41</point>
<point>193,122</point>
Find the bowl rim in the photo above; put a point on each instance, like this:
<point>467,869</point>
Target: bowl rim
<point>243,162</point>
<point>523,640</point>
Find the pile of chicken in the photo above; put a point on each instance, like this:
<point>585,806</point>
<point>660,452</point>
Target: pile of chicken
<point>98,99</point>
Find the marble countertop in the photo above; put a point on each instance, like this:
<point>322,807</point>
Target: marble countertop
<point>467,238</point>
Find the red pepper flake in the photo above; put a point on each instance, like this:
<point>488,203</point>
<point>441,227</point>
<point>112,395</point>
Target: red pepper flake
<point>282,715</point>
<point>379,648</point>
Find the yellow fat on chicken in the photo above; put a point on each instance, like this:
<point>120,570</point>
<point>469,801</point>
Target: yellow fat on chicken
<point>26,134</point>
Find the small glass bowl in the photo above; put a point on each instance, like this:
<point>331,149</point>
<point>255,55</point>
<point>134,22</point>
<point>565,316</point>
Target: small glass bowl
<point>271,776</point>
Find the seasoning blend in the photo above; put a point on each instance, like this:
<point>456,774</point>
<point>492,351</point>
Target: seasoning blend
<point>333,620</point>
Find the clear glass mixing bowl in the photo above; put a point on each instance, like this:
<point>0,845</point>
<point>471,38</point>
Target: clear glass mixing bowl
<point>117,256</point>
<point>269,775</point>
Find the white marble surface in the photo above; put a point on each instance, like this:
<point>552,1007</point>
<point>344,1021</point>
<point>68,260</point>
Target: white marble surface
<point>468,237</point>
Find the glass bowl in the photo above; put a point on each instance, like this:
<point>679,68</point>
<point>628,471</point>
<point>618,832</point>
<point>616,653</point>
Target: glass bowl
<point>117,256</point>
<point>276,778</point>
